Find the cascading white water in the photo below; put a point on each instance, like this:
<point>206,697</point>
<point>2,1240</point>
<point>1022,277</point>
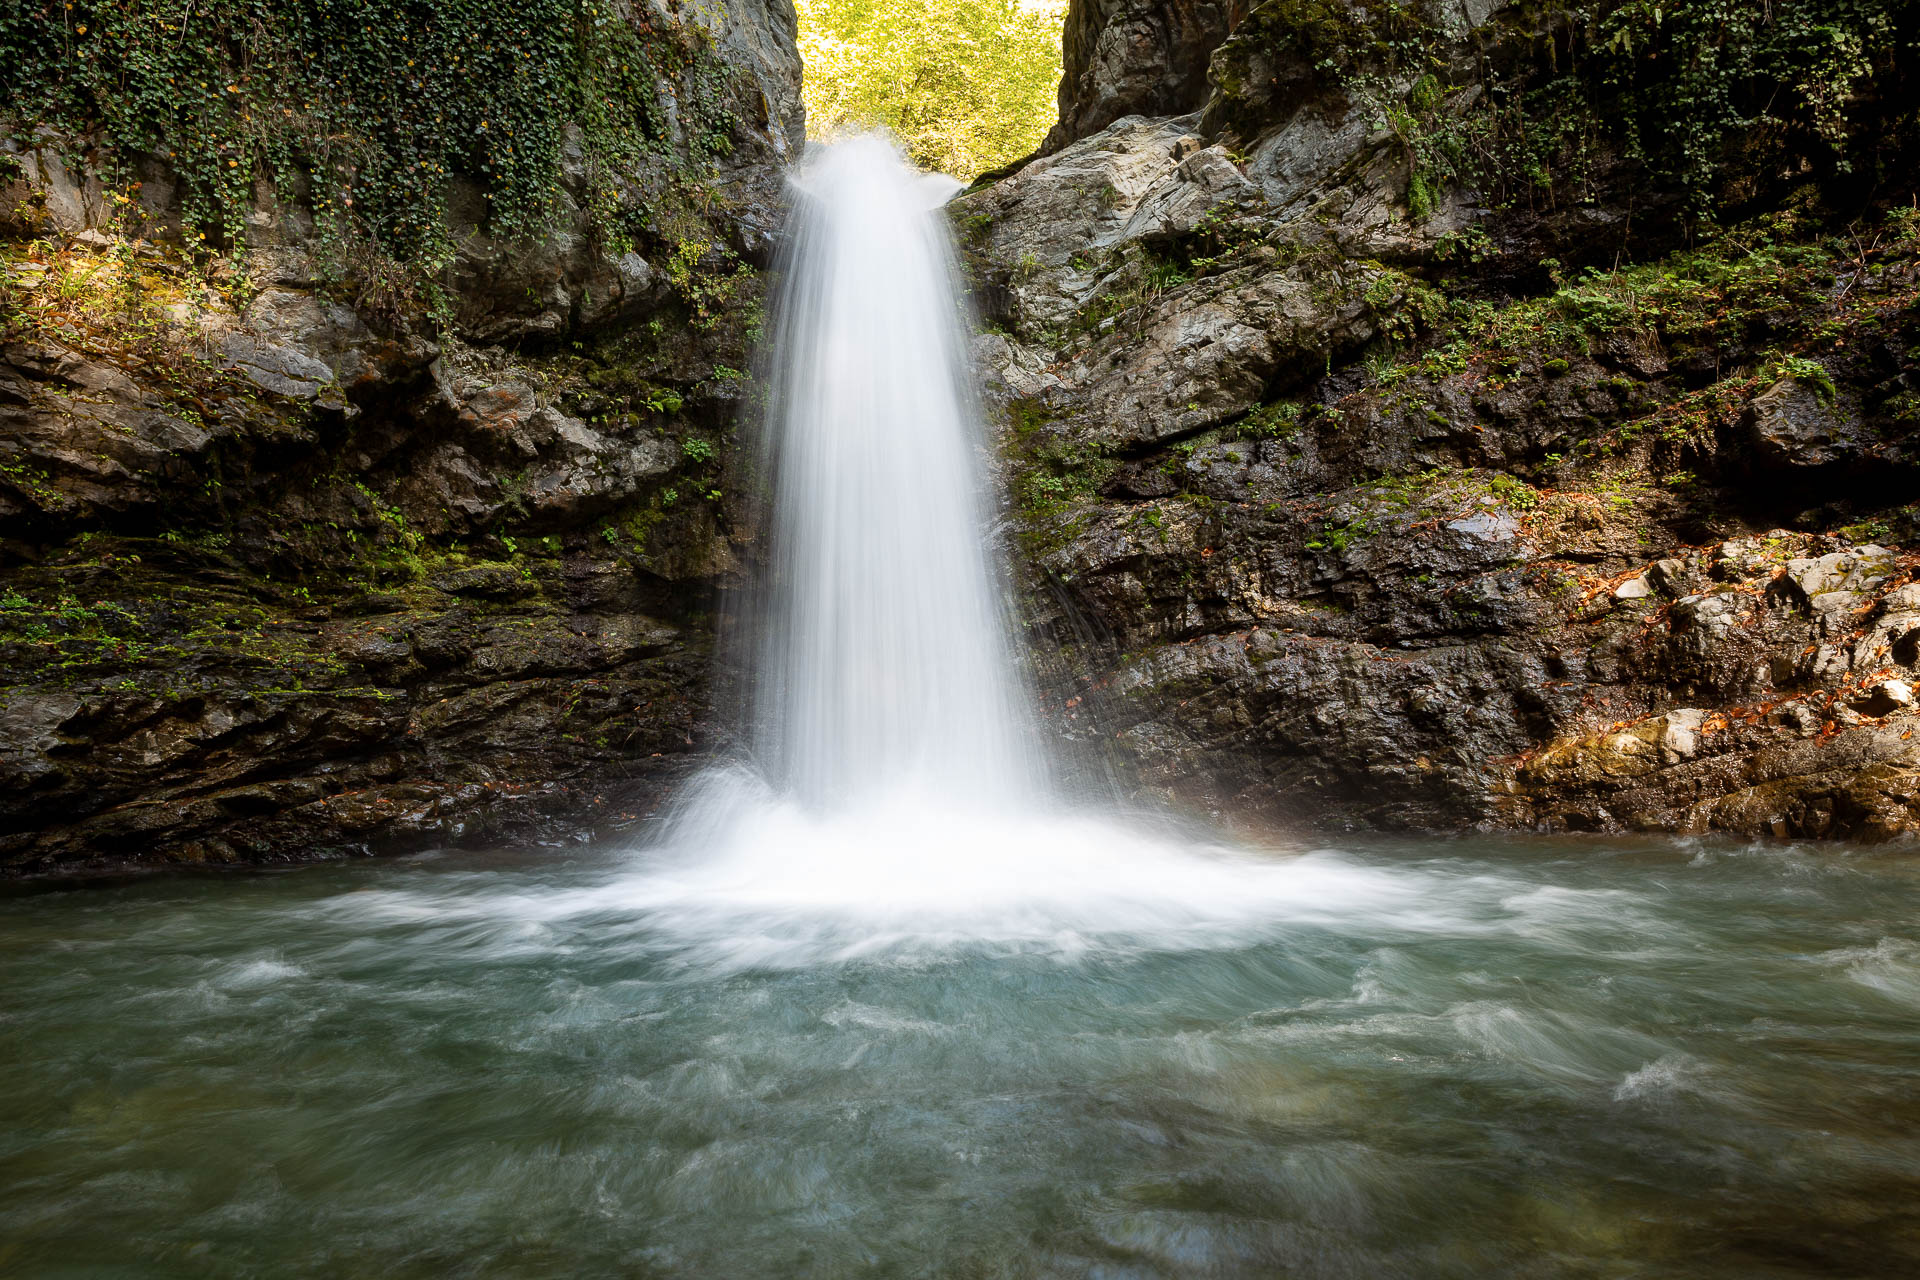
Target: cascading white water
<point>897,792</point>
<point>882,654</point>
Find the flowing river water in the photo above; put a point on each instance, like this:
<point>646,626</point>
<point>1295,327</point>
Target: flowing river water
<point>880,999</point>
<point>1439,1059</point>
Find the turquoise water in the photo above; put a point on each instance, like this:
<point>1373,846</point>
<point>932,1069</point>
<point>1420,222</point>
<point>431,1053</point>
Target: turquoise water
<point>1440,1059</point>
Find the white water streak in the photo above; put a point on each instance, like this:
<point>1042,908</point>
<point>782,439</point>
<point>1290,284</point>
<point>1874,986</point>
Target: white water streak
<point>883,657</point>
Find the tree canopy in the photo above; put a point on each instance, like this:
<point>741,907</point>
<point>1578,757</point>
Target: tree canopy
<point>966,85</point>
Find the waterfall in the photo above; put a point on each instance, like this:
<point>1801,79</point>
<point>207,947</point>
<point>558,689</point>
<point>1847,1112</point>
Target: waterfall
<point>882,659</point>
<point>896,794</point>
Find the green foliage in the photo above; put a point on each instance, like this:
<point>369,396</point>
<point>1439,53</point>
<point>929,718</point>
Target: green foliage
<point>370,108</point>
<point>1276,421</point>
<point>1690,72</point>
<point>1707,95</point>
<point>966,85</point>
<point>1379,54</point>
<point>1747,282</point>
<point>1043,489</point>
<point>709,278</point>
<point>1704,93</point>
<point>1471,245</point>
<point>1761,302</point>
<point>1513,491</point>
<point>657,399</point>
<point>1050,470</point>
<point>1338,41</point>
<point>1810,373</point>
<point>1437,493</point>
<point>1406,307</point>
<point>1139,282</point>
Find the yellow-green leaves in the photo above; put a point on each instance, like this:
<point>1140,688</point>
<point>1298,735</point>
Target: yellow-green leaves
<point>966,85</point>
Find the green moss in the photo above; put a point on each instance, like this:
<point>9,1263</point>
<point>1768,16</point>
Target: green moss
<point>1279,420</point>
<point>1336,39</point>
<point>1056,472</point>
<point>1708,99</point>
<point>1404,307</point>
<point>1765,284</point>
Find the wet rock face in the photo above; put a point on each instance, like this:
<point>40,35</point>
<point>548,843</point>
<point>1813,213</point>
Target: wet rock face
<point>1442,657</point>
<point>1134,57</point>
<point>1795,426</point>
<point>344,591</point>
<point>182,720</point>
<point>285,574</point>
<point>1333,513</point>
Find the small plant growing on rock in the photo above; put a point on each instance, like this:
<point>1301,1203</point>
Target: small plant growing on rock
<point>1277,421</point>
<point>1043,489</point>
<point>1513,491</point>
<point>1809,373</point>
<point>659,400</point>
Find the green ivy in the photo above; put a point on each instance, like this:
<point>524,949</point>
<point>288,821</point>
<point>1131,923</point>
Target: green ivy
<point>369,109</point>
<point>1707,95</point>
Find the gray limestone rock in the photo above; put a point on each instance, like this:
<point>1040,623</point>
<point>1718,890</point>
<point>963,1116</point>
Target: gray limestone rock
<point>1134,57</point>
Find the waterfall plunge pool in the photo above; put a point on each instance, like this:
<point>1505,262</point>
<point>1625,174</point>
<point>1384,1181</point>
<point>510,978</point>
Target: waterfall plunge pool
<point>954,1029</point>
<point>1459,1058</point>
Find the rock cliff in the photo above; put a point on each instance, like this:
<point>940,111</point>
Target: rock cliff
<point>1415,415</point>
<point>312,541</point>
<point>1426,423</point>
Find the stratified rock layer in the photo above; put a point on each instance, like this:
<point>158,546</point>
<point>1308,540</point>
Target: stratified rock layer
<point>1343,511</point>
<point>286,573</point>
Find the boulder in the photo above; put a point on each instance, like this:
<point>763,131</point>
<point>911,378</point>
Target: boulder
<point>1795,425</point>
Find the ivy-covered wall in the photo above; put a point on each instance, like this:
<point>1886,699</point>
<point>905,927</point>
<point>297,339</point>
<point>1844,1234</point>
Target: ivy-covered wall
<point>368,380</point>
<point>368,112</point>
<point>1719,102</point>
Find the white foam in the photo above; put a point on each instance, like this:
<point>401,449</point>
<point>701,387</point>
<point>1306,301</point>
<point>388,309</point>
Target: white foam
<point>1668,1074</point>
<point>1891,966</point>
<point>263,972</point>
<point>773,883</point>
